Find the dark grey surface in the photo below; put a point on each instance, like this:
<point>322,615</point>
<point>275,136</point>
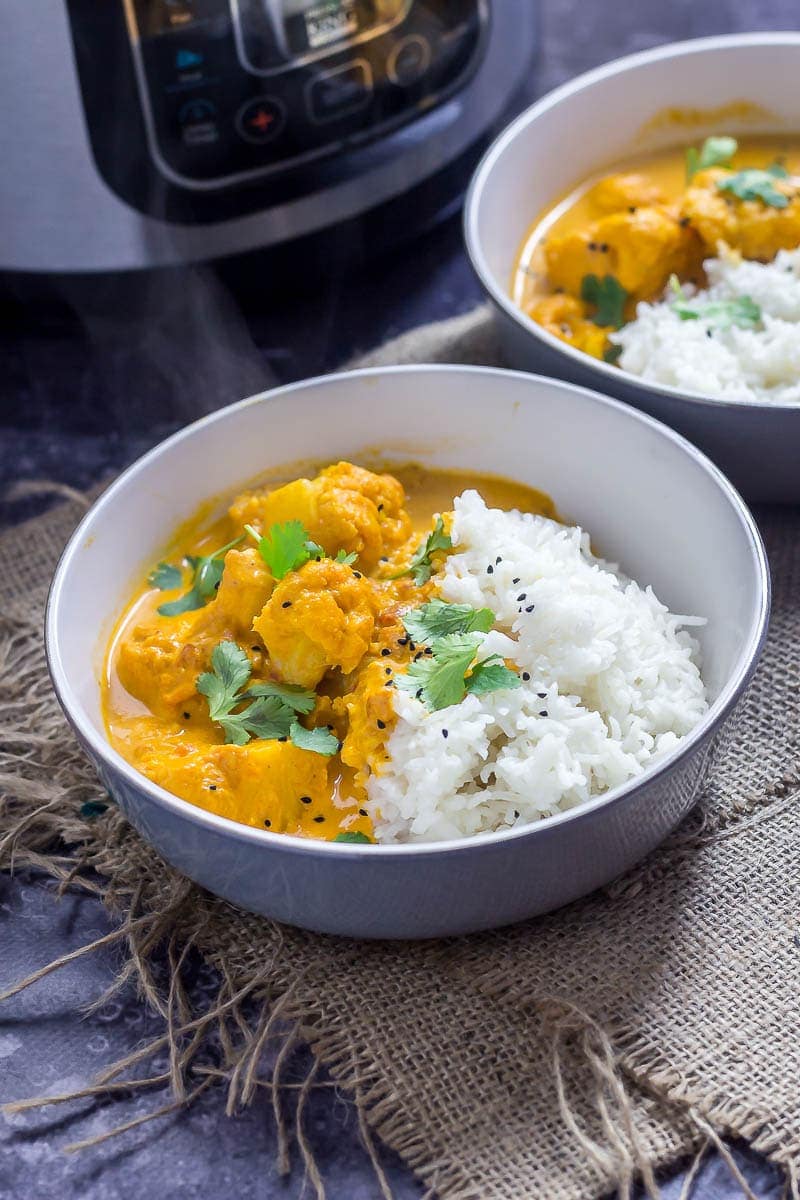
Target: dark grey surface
<point>86,384</point>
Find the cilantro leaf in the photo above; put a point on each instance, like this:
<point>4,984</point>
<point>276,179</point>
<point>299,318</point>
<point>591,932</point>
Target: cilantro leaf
<point>436,619</point>
<point>608,295</point>
<point>715,152</point>
<point>320,740</point>
<point>754,184</point>
<point>717,314</point>
<point>207,574</point>
<point>266,718</point>
<point>420,566</point>
<point>354,838</point>
<point>230,671</point>
<point>165,577</point>
<point>285,547</point>
<point>491,675</point>
<point>297,698</point>
<point>440,677</point>
<point>612,354</point>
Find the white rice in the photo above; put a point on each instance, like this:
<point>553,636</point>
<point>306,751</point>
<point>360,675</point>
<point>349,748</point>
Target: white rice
<point>735,364</point>
<point>614,684</point>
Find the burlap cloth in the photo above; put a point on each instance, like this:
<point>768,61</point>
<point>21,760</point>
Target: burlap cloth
<point>556,1059</point>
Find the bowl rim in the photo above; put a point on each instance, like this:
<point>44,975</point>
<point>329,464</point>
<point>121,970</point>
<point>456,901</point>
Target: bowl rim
<point>499,294</point>
<point>100,749</point>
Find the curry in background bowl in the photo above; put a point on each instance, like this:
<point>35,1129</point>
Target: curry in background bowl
<point>652,205</point>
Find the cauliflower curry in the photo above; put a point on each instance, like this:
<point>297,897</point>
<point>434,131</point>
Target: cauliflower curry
<point>251,674</point>
<point>621,238</point>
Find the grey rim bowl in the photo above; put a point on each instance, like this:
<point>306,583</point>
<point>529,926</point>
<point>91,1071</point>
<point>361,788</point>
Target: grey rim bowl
<point>706,548</point>
<point>585,126</point>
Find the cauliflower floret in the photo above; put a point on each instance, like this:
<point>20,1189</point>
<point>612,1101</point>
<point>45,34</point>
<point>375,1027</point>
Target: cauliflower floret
<point>615,193</point>
<point>318,617</point>
<point>565,317</point>
<point>343,508</point>
<point>756,229</point>
<point>641,249</point>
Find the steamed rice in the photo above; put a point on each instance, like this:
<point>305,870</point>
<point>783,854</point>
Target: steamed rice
<point>735,363</point>
<point>610,683</point>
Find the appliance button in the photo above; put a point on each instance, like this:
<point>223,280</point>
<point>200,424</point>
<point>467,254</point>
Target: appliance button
<point>261,119</point>
<point>198,121</point>
<point>336,93</point>
<point>409,60</point>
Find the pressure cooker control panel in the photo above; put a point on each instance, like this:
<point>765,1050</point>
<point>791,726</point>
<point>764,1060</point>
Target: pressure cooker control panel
<point>235,89</point>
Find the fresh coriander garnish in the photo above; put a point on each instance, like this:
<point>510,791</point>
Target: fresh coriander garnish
<point>270,709</point>
<point>288,546</point>
<point>437,618</point>
<point>165,577</point>
<point>754,184</point>
<point>354,838</point>
<point>716,314</point>
<point>612,354</point>
<point>608,295</point>
<point>441,678</point>
<point>421,567</point>
<point>320,740</point>
<point>206,576</point>
<point>714,152</point>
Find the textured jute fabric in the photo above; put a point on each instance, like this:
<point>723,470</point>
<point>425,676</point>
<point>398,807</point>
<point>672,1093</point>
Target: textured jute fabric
<point>557,1059</point>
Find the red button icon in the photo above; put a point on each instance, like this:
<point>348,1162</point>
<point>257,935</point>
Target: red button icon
<point>260,120</point>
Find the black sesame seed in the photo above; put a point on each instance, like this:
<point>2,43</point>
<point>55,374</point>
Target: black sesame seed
<point>490,569</point>
<point>380,508</point>
<point>403,641</point>
<point>522,596</point>
<point>388,670</point>
<point>428,650</point>
<point>444,733</point>
<point>212,787</point>
<point>516,814</point>
<point>418,694</point>
<point>542,695</point>
<point>631,208</point>
<point>286,604</point>
<point>381,724</point>
<point>357,574</point>
<point>592,246</point>
<point>515,580</point>
<point>603,247</point>
<point>412,646</point>
<point>384,559</point>
<point>305,799</point>
<point>418,656</point>
<point>339,747</point>
<point>283,739</point>
<point>543,712</point>
<point>187,716</point>
<point>267,822</point>
<point>319,820</point>
<point>709,333</point>
<point>386,652</point>
<point>530,608</point>
<point>526,675</point>
<point>329,727</point>
<point>497,560</point>
<point>216,586</point>
<point>389,683</point>
<point>256,649</point>
<point>362,812</point>
<point>684,221</point>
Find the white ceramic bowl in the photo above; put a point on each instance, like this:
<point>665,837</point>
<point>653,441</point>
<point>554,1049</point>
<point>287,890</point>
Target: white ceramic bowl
<point>580,129</point>
<point>650,500</point>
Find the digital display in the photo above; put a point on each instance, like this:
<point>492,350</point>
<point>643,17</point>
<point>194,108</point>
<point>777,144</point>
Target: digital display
<point>313,24</point>
<point>331,21</point>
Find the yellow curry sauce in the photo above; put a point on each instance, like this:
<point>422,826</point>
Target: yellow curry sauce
<point>643,223</point>
<point>331,627</point>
